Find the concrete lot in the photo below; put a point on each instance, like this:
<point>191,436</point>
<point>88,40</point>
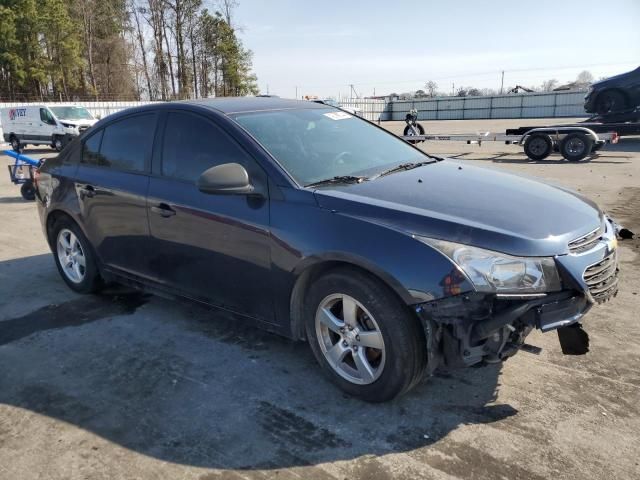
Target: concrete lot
<point>126,386</point>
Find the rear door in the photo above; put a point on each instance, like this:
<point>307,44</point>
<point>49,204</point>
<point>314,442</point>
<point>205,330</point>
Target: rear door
<point>210,247</point>
<point>111,183</point>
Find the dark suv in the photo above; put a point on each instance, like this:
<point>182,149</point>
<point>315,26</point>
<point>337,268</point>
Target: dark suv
<point>319,225</point>
<point>615,94</point>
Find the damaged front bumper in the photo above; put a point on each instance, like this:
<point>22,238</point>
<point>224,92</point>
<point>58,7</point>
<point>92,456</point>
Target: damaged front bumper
<point>473,328</point>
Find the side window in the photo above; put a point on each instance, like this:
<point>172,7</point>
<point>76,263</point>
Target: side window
<point>46,117</point>
<point>192,144</point>
<point>126,144</point>
<point>91,149</point>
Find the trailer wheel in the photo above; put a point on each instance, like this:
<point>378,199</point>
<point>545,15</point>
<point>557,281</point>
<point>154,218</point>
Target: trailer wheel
<point>27,191</point>
<point>576,146</point>
<point>409,132</point>
<point>538,146</point>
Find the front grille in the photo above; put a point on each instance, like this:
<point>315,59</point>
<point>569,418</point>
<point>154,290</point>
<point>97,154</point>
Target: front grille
<point>602,278</point>
<point>586,242</point>
<point>82,129</point>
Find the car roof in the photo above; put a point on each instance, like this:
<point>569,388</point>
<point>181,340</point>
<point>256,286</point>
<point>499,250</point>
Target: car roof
<point>230,105</point>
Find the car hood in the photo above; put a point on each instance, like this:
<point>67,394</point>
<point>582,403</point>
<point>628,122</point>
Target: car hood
<point>471,205</point>
<point>79,123</point>
<point>616,78</point>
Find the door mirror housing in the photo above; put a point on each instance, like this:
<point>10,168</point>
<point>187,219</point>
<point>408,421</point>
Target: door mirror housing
<point>225,179</point>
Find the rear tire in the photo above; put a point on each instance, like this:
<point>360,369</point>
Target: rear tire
<point>15,144</point>
<point>610,102</point>
<point>408,131</point>
<point>373,373</point>
<point>576,146</point>
<point>71,249</point>
<point>538,146</point>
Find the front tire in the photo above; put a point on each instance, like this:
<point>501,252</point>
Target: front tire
<point>58,143</point>
<point>538,146</point>
<point>610,102</point>
<point>366,340</point>
<point>74,257</point>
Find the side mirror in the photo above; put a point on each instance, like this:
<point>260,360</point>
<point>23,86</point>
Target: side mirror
<point>225,179</point>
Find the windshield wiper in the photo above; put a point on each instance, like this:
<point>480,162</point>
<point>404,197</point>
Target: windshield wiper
<point>405,166</point>
<point>337,179</point>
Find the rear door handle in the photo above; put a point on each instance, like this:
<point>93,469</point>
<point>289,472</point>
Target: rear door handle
<point>163,210</point>
<point>87,191</point>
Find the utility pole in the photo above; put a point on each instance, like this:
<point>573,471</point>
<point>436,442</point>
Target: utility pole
<point>453,89</point>
<point>502,83</point>
<point>267,89</point>
<point>353,91</point>
<point>296,93</point>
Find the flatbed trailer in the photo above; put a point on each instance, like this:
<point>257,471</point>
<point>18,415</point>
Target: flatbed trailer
<point>574,142</point>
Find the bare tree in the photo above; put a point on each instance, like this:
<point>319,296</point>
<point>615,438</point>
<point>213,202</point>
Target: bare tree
<point>431,87</point>
<point>227,7</point>
<point>143,51</point>
<point>549,85</point>
<point>584,78</point>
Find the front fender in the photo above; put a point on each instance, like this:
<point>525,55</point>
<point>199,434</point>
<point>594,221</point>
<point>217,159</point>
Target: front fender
<point>305,235</point>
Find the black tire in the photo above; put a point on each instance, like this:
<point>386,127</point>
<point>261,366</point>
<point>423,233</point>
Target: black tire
<point>408,131</point>
<point>15,144</point>
<point>538,146</point>
<point>403,336</point>
<point>576,146</point>
<point>58,143</point>
<point>27,191</point>
<point>92,281</point>
<point>610,101</point>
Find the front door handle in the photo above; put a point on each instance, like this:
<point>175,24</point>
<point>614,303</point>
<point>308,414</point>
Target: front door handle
<point>163,210</point>
<point>87,191</point>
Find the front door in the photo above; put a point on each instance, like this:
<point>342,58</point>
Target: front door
<point>111,182</point>
<point>209,247</point>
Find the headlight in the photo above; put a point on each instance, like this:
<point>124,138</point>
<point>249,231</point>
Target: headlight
<point>497,272</point>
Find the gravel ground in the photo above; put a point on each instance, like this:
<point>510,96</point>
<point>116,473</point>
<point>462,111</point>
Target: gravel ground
<point>128,386</point>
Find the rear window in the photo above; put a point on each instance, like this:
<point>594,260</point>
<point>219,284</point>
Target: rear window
<point>123,145</point>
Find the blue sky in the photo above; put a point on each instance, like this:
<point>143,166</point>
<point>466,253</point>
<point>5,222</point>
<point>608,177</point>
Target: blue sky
<point>395,46</point>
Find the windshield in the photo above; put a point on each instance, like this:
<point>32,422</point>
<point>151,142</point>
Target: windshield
<point>71,113</point>
<point>318,144</point>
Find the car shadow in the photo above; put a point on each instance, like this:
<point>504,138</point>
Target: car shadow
<point>181,383</point>
<point>11,200</point>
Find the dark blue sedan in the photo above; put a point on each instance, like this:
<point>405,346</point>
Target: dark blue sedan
<point>321,226</point>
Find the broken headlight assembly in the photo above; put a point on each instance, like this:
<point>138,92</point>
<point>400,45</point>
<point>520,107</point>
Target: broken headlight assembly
<point>495,272</point>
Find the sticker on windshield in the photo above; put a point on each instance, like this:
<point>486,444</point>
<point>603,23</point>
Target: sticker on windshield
<point>337,115</point>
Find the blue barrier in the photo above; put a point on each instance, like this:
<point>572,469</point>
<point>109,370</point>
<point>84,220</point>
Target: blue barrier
<point>22,158</point>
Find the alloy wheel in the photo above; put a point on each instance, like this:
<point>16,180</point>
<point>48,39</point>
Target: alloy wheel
<point>71,256</point>
<point>350,339</point>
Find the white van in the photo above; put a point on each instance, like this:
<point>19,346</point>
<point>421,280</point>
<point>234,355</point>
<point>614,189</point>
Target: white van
<point>44,125</point>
